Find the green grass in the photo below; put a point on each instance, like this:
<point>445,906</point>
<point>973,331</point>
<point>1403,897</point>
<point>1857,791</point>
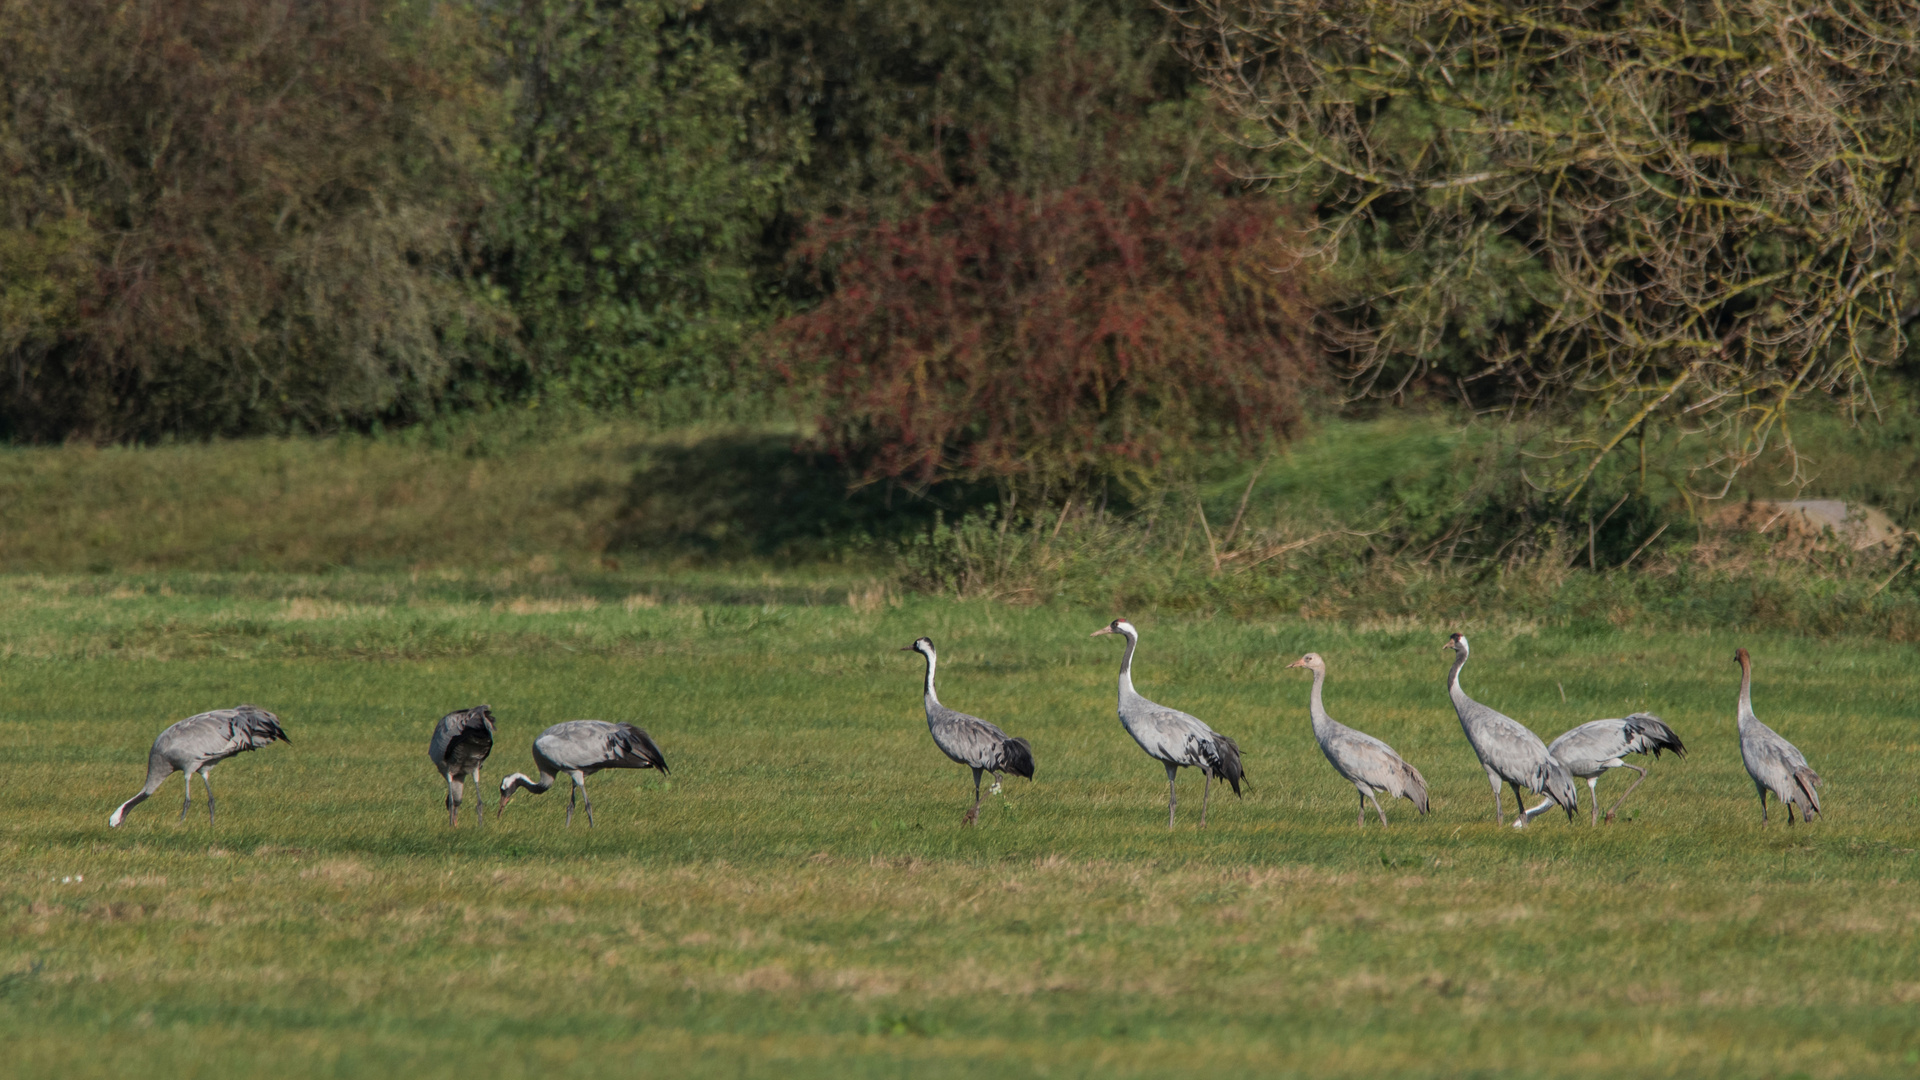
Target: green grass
<point>800,898</point>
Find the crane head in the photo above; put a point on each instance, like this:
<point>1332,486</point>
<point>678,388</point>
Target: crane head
<point>1311,661</point>
<point>1117,626</point>
<point>1457,642</point>
<point>1740,657</point>
<point>922,645</point>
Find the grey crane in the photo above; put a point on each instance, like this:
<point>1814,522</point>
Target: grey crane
<point>1170,736</point>
<point>1370,765</point>
<point>196,745</point>
<point>1598,745</point>
<point>581,748</point>
<point>1506,749</point>
<point>1775,764</point>
<point>460,745</point>
<point>970,740</point>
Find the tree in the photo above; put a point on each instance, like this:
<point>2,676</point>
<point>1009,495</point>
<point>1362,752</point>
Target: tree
<point>226,216</point>
<point>1646,212</point>
<point>635,187</point>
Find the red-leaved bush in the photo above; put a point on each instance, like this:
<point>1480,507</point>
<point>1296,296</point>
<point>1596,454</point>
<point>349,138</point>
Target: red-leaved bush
<point>1049,339</point>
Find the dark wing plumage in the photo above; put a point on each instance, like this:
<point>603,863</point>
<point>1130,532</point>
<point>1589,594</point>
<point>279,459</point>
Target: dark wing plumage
<point>1647,733</point>
<point>255,726</point>
<point>629,747</point>
<point>1222,757</point>
<point>463,739</point>
<point>1017,754</point>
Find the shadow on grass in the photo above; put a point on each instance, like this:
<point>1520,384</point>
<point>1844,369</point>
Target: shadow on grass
<point>755,494</point>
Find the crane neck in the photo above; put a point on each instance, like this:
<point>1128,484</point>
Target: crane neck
<point>1746,694</point>
<point>932,661</point>
<point>1453,679</point>
<point>1126,668</point>
<point>1315,706</point>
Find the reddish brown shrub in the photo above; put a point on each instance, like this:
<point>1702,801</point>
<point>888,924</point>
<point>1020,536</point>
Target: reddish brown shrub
<point>1047,339</point>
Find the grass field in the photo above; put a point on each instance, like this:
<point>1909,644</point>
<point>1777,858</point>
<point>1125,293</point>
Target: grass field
<point>800,898</point>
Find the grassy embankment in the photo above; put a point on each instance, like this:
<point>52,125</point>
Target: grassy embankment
<point>799,898</point>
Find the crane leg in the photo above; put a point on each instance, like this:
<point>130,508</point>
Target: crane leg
<point>1519,801</point>
<point>453,800</point>
<point>1629,791</point>
<point>206,781</point>
<point>1763,805</point>
<point>1593,796</point>
<point>1362,819</point>
<point>187,802</point>
<point>1206,790</point>
<point>1789,803</point>
<point>572,798</point>
<point>588,800</point>
<point>1376,809</point>
<point>973,815</point>
<point>1499,815</point>
<point>1170,797</point>
<point>479,798</point>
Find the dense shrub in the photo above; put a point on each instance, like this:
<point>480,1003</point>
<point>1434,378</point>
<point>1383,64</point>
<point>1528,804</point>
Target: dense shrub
<point>1046,340</point>
<point>224,216</point>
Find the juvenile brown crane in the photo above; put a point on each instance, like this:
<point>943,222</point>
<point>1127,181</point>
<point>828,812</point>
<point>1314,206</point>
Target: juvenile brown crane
<point>1775,764</point>
<point>1370,765</point>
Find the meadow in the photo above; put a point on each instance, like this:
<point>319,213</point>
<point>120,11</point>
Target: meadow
<point>800,898</point>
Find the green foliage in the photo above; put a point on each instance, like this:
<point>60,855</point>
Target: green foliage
<point>232,217</point>
<point>635,184</point>
<point>1644,212</point>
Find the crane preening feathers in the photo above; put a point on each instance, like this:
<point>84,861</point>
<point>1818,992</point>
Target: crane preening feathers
<point>581,748</point>
<point>196,745</point>
<point>1170,736</point>
<point>970,740</point>
<point>460,745</point>
<point>1370,765</point>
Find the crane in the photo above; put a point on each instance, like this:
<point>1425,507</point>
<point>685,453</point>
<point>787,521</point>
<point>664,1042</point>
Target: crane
<point>1775,764</point>
<point>1507,750</point>
<point>1170,736</point>
<point>196,745</point>
<point>460,745</point>
<point>970,740</point>
<point>1598,745</point>
<point>1370,765</point>
<point>581,748</point>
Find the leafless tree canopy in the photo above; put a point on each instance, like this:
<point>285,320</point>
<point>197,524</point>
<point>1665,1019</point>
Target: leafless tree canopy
<point>1646,212</point>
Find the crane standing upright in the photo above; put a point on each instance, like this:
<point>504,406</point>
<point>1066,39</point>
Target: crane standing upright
<point>196,745</point>
<point>1370,765</point>
<point>460,745</point>
<point>1775,764</point>
<point>1170,736</point>
<point>1506,749</point>
<point>970,740</point>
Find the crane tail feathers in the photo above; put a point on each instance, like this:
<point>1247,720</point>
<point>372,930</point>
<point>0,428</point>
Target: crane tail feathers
<point>1226,764</point>
<point>1806,780</point>
<point>639,751</point>
<point>1656,734</point>
<point>1018,754</point>
<point>1415,787</point>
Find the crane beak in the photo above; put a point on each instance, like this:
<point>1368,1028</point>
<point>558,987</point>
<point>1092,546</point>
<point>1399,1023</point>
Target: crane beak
<point>1298,663</point>
<point>502,808</point>
<point>908,648</point>
<point>1102,630</point>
